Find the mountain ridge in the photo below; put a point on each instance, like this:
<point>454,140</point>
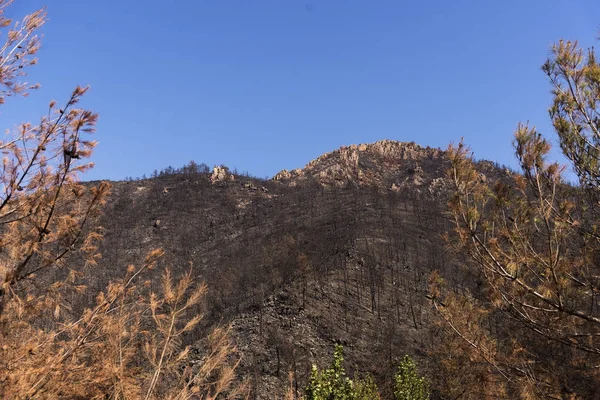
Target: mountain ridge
<point>339,252</point>
<point>362,163</point>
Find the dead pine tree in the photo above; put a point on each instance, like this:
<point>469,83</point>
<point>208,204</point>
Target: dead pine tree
<point>127,342</point>
<point>530,326</point>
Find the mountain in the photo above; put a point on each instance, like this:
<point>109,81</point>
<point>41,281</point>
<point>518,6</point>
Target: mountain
<point>339,251</point>
<point>381,163</point>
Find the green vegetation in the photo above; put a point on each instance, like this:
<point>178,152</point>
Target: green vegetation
<point>408,385</point>
<point>333,384</point>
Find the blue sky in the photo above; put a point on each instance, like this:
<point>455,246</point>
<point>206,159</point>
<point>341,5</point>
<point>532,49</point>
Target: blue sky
<point>267,85</point>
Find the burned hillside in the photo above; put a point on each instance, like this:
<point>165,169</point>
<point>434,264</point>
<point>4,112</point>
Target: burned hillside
<point>337,252</point>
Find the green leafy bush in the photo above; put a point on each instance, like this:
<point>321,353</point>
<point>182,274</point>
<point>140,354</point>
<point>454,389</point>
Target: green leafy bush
<point>333,384</point>
<point>408,385</point>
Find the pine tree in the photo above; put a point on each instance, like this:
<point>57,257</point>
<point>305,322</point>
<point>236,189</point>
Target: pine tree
<point>531,327</point>
<point>125,344</point>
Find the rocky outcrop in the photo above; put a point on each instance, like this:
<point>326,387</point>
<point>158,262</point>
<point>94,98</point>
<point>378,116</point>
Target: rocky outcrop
<point>385,163</point>
<point>439,186</point>
<point>287,175</point>
<point>221,174</point>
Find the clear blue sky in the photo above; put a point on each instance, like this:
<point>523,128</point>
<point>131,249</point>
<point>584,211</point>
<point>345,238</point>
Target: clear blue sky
<point>267,85</point>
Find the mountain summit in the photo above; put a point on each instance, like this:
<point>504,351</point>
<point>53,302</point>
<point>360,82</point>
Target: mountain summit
<point>339,251</point>
<point>386,164</point>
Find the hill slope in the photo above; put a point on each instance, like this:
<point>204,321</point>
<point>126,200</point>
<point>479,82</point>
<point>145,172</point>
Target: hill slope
<point>337,252</point>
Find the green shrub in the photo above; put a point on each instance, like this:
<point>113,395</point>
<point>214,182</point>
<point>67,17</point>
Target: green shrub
<point>408,385</point>
<point>365,388</point>
<point>333,384</point>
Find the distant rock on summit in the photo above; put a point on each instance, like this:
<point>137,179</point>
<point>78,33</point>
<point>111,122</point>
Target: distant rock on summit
<point>387,163</point>
<point>221,174</point>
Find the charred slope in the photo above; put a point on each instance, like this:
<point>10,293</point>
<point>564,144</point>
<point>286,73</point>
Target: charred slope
<point>339,251</point>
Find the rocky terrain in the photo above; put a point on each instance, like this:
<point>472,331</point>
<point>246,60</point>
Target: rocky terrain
<point>402,164</point>
<point>339,251</point>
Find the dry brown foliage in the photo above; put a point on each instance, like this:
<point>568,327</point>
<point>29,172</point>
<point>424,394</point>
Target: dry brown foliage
<point>531,329</point>
<point>128,345</point>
